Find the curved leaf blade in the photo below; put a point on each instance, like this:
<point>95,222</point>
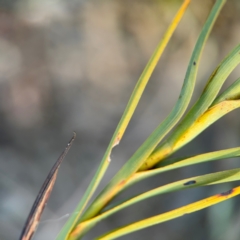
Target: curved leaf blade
<point>131,106</point>
<point>174,141</point>
<point>190,208</point>
<point>193,182</point>
<point>201,158</point>
<point>39,204</point>
<point>140,156</point>
<point>231,93</point>
<point>208,118</point>
<point>132,166</point>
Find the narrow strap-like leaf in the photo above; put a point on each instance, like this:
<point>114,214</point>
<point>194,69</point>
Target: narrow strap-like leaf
<point>140,156</point>
<point>179,212</point>
<point>209,117</point>
<point>136,95</point>
<point>43,195</point>
<point>231,93</point>
<point>208,179</point>
<point>178,138</point>
<point>171,165</point>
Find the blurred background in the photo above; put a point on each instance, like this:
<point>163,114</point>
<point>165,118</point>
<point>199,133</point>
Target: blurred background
<point>71,65</point>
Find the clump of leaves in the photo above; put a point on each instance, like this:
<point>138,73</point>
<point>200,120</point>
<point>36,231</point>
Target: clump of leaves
<point>156,153</point>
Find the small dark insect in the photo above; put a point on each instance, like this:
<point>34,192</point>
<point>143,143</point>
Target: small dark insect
<point>189,183</point>
<point>42,198</point>
<point>194,63</point>
<point>227,192</point>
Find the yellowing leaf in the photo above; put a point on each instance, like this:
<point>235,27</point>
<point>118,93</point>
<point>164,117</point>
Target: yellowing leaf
<point>193,207</point>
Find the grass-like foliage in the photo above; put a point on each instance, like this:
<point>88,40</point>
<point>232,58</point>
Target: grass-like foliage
<point>156,153</point>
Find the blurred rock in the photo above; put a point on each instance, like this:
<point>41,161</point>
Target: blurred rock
<point>71,66</point>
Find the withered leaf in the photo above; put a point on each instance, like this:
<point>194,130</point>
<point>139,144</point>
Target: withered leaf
<point>32,221</point>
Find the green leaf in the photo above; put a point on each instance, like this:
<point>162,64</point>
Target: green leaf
<point>208,179</point>
<point>150,144</point>
<point>181,134</point>
<point>172,164</point>
<point>208,118</point>
<point>132,104</point>
<point>231,93</point>
<point>193,207</point>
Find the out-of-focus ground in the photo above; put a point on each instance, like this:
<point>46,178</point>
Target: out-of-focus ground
<point>71,66</point>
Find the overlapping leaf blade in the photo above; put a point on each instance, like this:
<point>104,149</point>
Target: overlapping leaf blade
<point>208,179</point>
<point>190,208</point>
<point>185,162</point>
<point>136,95</point>
<point>140,156</point>
<point>181,134</point>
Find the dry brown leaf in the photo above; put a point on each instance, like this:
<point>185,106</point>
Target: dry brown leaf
<point>43,196</point>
